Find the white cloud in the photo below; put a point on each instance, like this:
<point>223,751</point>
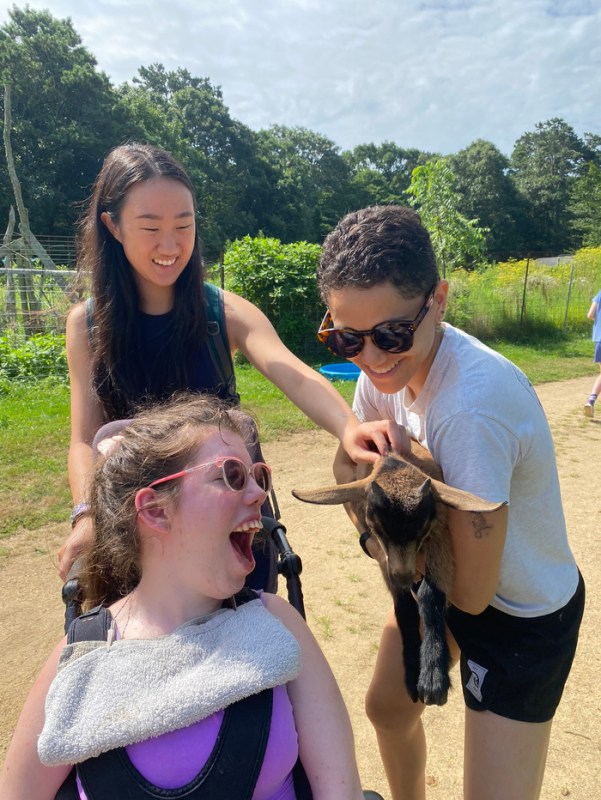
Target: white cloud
<point>431,74</point>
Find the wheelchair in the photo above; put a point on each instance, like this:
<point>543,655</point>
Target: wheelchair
<point>274,556</point>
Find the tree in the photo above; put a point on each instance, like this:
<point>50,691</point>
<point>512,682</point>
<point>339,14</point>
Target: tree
<point>311,183</point>
<point>592,143</point>
<point>381,174</point>
<point>545,165</point>
<point>457,241</point>
<point>586,206</point>
<point>62,110</point>
<point>487,193</point>
<point>279,279</point>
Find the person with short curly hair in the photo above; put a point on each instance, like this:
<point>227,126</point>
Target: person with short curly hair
<point>518,597</point>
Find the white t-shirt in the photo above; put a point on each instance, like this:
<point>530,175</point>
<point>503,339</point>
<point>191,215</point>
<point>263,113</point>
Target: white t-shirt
<point>482,421</point>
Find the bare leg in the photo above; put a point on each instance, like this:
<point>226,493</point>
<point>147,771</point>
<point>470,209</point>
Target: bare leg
<point>589,406</point>
<point>397,719</point>
<point>504,759</point>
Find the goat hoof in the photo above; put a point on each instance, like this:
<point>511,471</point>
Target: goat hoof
<point>434,690</point>
<point>434,699</point>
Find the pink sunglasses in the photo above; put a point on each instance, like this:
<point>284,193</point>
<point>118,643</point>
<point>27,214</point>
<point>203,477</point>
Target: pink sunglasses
<point>234,472</point>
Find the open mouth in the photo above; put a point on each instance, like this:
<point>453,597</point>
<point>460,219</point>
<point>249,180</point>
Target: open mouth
<point>241,541</point>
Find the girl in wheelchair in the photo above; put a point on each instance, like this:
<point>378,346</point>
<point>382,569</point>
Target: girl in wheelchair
<point>179,682</point>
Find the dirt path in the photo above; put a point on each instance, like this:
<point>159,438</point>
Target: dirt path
<point>346,604</point>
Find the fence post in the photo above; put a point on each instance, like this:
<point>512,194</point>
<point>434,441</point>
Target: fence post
<point>523,311</point>
<point>10,300</point>
<point>565,318</point>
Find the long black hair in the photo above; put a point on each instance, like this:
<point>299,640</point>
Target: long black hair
<point>119,374</point>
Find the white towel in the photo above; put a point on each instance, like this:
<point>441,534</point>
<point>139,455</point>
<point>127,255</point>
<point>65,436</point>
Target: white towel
<point>103,698</point>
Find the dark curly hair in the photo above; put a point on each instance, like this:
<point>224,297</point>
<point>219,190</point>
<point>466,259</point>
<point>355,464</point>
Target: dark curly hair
<point>378,244</point>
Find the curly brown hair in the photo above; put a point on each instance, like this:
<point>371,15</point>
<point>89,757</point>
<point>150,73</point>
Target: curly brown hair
<point>157,442</point>
<point>375,245</point>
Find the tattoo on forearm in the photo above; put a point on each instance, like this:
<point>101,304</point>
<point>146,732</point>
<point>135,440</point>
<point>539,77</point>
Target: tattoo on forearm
<point>481,526</point>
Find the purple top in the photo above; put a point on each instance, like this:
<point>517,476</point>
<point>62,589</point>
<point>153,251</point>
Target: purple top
<point>173,759</point>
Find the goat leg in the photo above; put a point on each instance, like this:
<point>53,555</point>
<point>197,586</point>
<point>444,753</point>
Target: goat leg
<point>407,617</point>
<point>434,682</point>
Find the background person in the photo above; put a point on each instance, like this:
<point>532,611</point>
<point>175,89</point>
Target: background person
<point>146,333</point>
<point>176,503</point>
<point>518,597</point>
<point>594,314</point>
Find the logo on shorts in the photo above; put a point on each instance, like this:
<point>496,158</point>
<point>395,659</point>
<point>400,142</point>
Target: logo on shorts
<point>476,679</point>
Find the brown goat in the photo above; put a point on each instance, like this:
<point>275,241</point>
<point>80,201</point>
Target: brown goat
<point>403,505</point>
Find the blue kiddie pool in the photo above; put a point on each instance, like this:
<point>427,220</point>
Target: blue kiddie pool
<point>341,372</point>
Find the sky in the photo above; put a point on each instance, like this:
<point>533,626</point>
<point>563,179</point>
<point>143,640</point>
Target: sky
<point>431,74</point>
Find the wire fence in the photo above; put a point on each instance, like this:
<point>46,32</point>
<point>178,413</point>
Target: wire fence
<point>525,296</point>
<point>61,249</point>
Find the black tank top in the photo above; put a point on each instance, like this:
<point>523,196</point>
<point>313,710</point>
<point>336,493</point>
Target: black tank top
<point>210,368</point>
<point>203,376</point>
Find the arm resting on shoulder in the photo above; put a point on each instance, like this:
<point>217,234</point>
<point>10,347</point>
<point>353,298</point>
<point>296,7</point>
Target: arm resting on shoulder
<point>24,777</point>
<point>324,730</point>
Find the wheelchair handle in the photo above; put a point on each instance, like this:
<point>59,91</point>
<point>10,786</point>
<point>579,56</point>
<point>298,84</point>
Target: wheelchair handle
<point>289,563</point>
<point>71,594</point>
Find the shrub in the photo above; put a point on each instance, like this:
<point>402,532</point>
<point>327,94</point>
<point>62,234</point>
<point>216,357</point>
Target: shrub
<point>280,280</point>
<point>41,356</point>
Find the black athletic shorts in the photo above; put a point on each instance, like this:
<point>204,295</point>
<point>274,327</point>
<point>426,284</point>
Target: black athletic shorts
<point>517,667</point>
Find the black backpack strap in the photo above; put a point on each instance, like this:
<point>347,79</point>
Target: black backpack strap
<point>89,310</point>
<point>217,342</point>
<point>240,753</point>
<point>231,771</point>
<point>68,789</point>
<point>302,787</point>
<point>92,626</point>
<point>245,595</point>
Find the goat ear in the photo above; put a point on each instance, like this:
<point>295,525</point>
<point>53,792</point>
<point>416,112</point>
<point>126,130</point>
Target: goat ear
<point>334,495</point>
<point>426,488</point>
<point>463,501</point>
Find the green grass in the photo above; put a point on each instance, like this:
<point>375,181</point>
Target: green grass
<point>34,426</point>
<point>34,436</point>
<point>275,414</point>
<point>552,360</point>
